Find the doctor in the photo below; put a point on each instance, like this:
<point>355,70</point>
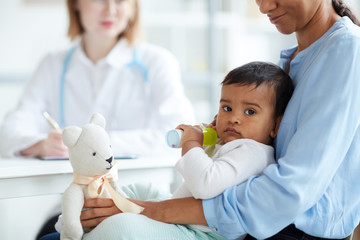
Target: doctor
<point>135,85</point>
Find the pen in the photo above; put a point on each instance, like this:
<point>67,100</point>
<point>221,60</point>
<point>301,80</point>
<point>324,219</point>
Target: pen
<point>51,121</point>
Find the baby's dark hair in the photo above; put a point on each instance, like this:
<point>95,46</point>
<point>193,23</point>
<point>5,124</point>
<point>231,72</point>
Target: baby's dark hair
<point>264,73</point>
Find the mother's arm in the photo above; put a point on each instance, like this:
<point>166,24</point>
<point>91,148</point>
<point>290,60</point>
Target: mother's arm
<point>177,211</point>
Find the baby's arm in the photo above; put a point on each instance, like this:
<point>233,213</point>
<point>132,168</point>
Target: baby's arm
<point>192,137</point>
<point>235,163</point>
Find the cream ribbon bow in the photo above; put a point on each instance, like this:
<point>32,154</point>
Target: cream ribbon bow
<point>96,187</point>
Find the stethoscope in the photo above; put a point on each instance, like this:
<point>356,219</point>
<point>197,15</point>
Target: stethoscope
<point>135,62</point>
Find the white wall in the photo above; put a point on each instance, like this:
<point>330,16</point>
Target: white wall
<point>27,32</point>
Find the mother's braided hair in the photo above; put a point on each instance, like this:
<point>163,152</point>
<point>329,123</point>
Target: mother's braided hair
<point>342,9</point>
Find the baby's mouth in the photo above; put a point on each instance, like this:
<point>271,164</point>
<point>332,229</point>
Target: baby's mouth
<point>231,131</point>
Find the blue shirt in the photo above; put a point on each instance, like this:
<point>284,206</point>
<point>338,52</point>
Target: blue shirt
<point>316,181</point>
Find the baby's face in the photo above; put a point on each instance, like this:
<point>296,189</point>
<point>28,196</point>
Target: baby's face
<point>246,112</point>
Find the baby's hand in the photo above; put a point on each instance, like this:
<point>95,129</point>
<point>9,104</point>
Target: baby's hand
<point>211,126</point>
<point>192,137</point>
<point>213,123</point>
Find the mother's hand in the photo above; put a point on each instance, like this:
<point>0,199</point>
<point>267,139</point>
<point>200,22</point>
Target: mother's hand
<point>100,209</point>
<point>177,211</point>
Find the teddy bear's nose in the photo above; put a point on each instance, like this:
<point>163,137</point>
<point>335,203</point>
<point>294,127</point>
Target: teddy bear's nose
<point>109,160</point>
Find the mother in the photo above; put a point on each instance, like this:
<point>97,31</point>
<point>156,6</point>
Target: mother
<point>314,187</point>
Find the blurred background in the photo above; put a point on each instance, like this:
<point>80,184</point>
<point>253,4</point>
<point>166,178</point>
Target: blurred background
<point>208,37</point>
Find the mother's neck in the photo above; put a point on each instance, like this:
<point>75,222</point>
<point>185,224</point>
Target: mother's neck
<point>97,48</point>
<point>321,22</point>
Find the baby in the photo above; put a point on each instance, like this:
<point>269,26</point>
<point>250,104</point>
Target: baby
<point>253,101</point>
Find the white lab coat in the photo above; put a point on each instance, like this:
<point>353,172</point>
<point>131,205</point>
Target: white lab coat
<point>138,114</point>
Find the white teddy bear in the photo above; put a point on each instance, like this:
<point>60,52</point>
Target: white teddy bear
<point>95,174</point>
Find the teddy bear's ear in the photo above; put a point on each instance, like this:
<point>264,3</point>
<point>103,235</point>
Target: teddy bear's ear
<point>70,135</point>
<point>98,119</point>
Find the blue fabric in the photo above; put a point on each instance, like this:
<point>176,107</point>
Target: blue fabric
<point>125,226</point>
<point>315,184</point>
<point>51,236</point>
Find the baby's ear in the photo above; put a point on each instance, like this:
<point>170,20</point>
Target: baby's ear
<point>275,130</point>
<point>98,119</point>
<point>71,135</point>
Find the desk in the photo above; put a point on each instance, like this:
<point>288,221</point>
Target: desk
<point>30,188</point>
<point>32,177</point>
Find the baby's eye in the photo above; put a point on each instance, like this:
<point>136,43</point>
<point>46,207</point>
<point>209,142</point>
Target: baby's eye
<point>94,153</point>
<point>227,109</point>
<point>249,112</point>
